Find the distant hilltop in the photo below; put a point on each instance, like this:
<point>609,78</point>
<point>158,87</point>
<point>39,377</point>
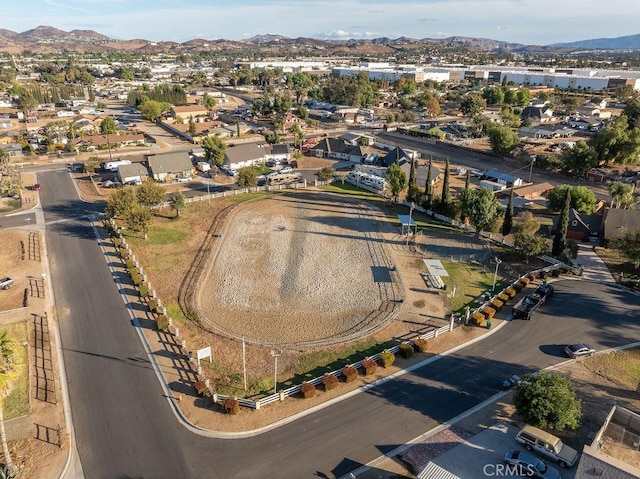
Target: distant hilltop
<point>50,39</point>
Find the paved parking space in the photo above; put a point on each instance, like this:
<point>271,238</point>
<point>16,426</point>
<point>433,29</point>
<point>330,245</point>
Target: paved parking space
<point>481,457</point>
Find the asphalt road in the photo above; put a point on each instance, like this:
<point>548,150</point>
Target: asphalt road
<point>125,427</point>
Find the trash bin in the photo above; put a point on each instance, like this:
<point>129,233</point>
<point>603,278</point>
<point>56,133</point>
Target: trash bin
<point>489,324</point>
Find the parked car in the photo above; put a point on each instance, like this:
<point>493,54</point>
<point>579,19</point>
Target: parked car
<point>579,350</point>
<point>528,465</point>
<point>6,283</point>
<point>183,179</point>
<point>544,291</point>
<point>512,381</point>
<point>548,445</point>
<point>36,187</point>
<point>286,169</point>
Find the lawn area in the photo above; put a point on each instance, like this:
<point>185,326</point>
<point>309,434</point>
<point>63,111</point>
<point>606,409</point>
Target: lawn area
<point>349,189</point>
<point>622,367</point>
<point>10,205</point>
<point>16,404</point>
<point>471,281</point>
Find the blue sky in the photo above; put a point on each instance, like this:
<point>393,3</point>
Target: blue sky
<point>539,22</point>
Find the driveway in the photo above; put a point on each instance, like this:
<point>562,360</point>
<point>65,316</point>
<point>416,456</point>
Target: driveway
<point>594,269</point>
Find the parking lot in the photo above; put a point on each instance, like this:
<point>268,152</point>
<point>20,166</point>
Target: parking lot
<point>482,456</point>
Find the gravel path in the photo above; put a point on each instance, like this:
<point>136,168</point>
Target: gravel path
<point>297,268</point>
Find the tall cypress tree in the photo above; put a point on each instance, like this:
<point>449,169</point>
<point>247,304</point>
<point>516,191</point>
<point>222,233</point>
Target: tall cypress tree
<point>507,224</point>
<point>445,197</point>
<point>560,237</point>
<point>428,189</point>
<point>413,194</point>
<point>465,198</point>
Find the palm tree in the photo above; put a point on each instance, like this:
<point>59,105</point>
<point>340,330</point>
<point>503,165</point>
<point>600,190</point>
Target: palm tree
<point>621,193</point>
<point>7,357</point>
<point>177,201</point>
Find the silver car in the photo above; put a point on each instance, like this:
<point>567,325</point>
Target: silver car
<point>528,465</point>
<point>579,350</point>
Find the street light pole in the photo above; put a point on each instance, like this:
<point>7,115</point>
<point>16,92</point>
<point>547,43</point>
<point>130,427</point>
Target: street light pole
<point>275,355</point>
<point>533,160</point>
<point>495,275</point>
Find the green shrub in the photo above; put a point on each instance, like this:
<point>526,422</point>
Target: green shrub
<point>504,297</point>
<point>511,292</point>
<point>129,263</point>
<point>350,373</point>
<point>370,366</point>
<point>330,381</point>
<point>153,305</point>
<point>421,345</point>
<point>497,304</point>
<point>406,350</point>
<point>162,322</point>
<point>136,278</point>
<point>489,312</point>
<point>517,287</point>
<point>387,358</point>
<point>308,390</point>
<point>117,242</point>
<point>478,317</point>
<point>231,406</point>
<point>144,291</point>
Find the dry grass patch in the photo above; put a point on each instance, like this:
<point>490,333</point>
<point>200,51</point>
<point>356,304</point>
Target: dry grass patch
<point>622,367</point>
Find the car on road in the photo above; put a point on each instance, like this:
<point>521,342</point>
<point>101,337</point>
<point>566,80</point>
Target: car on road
<point>183,179</point>
<point>36,187</point>
<point>286,169</point>
<point>579,350</point>
<point>528,465</point>
<point>512,381</point>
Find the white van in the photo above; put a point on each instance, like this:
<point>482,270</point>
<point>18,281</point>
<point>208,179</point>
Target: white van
<point>548,445</point>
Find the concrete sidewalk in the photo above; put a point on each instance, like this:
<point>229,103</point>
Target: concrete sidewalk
<point>594,269</point>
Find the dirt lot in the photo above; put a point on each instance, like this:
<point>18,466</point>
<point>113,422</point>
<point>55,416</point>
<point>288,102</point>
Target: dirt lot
<point>296,269</point>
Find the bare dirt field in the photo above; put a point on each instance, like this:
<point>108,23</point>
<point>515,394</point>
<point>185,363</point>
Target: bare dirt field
<point>299,269</point>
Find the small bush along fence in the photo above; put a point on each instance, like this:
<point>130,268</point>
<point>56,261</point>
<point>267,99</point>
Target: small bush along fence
<point>329,381</point>
<point>308,390</point>
<point>201,388</point>
<point>406,350</point>
<point>370,366</point>
<point>387,358</point>
<point>162,322</point>
<point>350,374</point>
<point>504,297</point>
<point>421,345</point>
<point>231,406</point>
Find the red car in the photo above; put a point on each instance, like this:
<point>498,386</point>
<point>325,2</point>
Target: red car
<point>36,187</point>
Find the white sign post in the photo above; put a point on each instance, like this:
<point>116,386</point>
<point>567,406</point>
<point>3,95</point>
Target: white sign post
<point>203,354</point>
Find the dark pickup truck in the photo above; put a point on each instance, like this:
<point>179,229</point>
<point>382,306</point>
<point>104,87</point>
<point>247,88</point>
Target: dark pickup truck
<point>544,291</point>
<point>525,308</point>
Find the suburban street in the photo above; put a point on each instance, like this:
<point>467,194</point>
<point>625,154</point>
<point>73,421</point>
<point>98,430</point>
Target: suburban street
<point>125,426</point>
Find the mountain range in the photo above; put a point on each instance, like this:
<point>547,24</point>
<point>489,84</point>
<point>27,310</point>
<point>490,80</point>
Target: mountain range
<point>48,39</point>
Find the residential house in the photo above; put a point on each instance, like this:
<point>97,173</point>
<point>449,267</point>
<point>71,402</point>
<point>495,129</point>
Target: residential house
<point>536,114</point>
<point>582,227</point>
<point>279,152</point>
<point>356,139</point>
<point>396,155</point>
<point>334,148</point>
<point>7,137</point>
<point>618,222</point>
<point>167,166</point>
<point>610,454</point>
<point>289,120</point>
<point>247,154</point>
<point>109,141</point>
<point>529,192</point>
<point>5,123</point>
<point>187,111</point>
<point>133,173</point>
<point>14,150</point>
<point>502,178</point>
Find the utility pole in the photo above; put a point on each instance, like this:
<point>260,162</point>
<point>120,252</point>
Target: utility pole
<point>409,224</point>
<point>275,355</point>
<point>533,160</point>
<point>495,275</point>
